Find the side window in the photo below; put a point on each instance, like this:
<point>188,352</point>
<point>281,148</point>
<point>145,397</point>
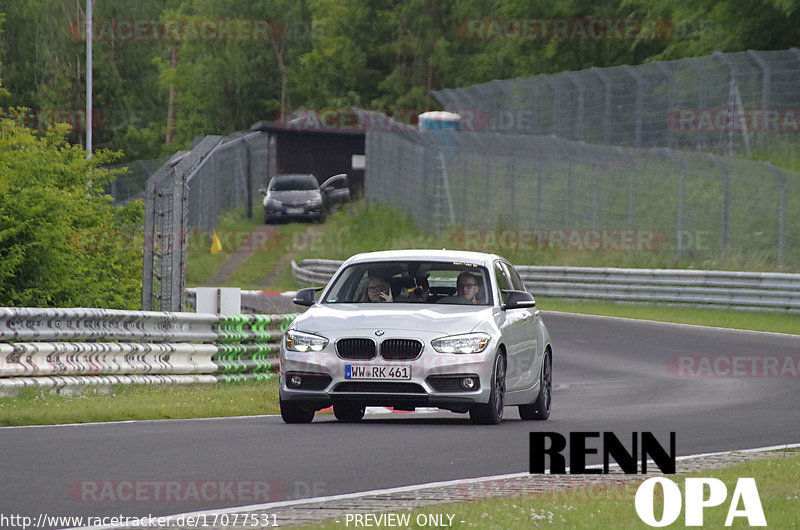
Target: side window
<point>502,280</point>
<point>516,281</point>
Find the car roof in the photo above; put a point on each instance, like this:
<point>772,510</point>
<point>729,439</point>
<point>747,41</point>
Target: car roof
<point>293,176</point>
<point>465,256</point>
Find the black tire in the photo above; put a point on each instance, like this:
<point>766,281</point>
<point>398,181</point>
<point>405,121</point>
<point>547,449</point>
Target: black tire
<point>491,413</point>
<point>295,413</point>
<point>540,408</point>
<point>349,412</point>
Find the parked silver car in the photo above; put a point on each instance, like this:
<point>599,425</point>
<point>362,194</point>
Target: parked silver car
<point>418,328</point>
<point>300,196</point>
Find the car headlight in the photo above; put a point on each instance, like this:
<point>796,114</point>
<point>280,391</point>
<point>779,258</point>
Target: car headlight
<point>272,203</point>
<point>302,342</point>
<point>314,202</point>
<point>469,343</point>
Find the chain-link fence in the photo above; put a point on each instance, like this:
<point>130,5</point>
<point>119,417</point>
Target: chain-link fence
<point>131,184</point>
<point>189,191</point>
<point>576,195</point>
<point>722,103</point>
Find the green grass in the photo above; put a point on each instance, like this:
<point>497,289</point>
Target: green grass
<point>201,263</point>
<point>284,281</point>
<point>363,227</point>
<point>233,228</point>
<point>140,402</point>
<point>613,506</point>
<point>781,151</point>
<point>753,320</point>
<point>258,266</point>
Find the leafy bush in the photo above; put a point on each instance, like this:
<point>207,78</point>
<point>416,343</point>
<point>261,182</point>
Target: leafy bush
<point>62,243</point>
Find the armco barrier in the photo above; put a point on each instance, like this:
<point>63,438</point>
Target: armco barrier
<point>78,347</point>
<point>315,271</point>
<point>769,291</point>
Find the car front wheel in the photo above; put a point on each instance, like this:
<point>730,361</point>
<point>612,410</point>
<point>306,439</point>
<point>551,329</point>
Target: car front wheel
<point>492,412</point>
<point>540,409</point>
<point>295,413</point>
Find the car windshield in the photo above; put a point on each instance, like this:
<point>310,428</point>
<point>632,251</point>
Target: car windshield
<point>294,183</point>
<point>420,282</point>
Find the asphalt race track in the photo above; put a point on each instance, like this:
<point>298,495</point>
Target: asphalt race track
<point>707,385</point>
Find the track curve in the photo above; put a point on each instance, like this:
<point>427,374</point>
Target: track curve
<point>609,374</point>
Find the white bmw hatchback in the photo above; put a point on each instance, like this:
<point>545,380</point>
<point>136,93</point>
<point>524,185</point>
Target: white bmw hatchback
<point>418,328</point>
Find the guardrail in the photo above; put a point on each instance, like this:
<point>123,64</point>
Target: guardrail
<point>314,271</point>
<point>769,291</point>
<point>61,348</point>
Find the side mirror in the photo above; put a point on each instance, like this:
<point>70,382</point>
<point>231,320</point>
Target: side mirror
<point>262,191</point>
<point>518,299</point>
<point>305,297</point>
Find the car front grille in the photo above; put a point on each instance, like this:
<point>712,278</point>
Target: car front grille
<point>355,348</point>
<point>379,387</point>
<point>400,349</point>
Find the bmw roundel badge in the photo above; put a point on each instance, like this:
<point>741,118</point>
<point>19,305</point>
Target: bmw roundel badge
<point>379,332</point>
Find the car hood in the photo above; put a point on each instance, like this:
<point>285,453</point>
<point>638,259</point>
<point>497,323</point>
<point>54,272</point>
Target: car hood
<point>299,195</point>
<point>443,318</point>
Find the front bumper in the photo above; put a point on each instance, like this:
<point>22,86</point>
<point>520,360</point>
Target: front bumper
<point>435,380</point>
<point>294,212</point>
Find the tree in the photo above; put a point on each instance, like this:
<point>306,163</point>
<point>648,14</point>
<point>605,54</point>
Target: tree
<point>228,82</point>
<point>62,244</point>
<point>702,28</point>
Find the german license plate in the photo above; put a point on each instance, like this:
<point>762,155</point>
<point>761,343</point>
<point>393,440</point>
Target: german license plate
<point>355,371</point>
<point>294,211</point>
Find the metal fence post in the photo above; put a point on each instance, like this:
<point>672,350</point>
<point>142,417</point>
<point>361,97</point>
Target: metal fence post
<point>701,95</point>
<point>149,235</point>
<point>595,194</point>
<point>579,116</point>
<point>606,105</point>
<point>725,202</point>
<point>637,135</point>
<point>553,106</point>
<point>670,78</point>
<point>178,244</point>
<point>734,103</point>
<point>680,217</point>
<point>633,194</point>
<point>766,88</point>
<point>781,212</point>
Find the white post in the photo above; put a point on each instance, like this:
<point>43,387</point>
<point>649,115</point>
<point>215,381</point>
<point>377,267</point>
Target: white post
<point>219,300</point>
